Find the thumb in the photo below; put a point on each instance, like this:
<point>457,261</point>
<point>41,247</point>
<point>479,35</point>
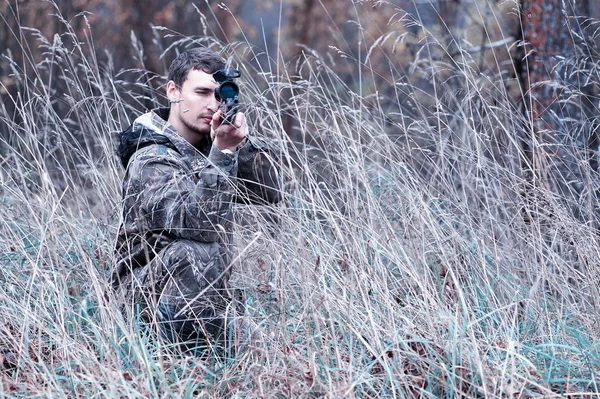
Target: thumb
<point>240,119</point>
<point>217,118</point>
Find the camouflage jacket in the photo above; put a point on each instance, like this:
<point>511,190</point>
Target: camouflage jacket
<point>173,191</point>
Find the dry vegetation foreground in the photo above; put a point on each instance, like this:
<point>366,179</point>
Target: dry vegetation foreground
<point>418,252</point>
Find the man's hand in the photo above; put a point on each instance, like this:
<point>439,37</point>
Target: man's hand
<point>228,136</point>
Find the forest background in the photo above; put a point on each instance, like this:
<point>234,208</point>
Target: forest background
<point>439,234</point>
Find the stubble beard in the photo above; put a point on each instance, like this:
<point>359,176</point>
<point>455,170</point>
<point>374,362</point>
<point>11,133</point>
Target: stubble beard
<point>199,127</point>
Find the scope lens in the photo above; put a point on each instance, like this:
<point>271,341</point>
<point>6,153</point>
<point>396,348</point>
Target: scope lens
<point>227,91</point>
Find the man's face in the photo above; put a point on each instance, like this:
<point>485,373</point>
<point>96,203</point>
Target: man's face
<point>193,114</point>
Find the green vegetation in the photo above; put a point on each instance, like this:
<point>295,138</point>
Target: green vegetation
<point>418,253</point>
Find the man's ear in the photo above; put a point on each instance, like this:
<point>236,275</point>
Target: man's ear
<point>173,92</point>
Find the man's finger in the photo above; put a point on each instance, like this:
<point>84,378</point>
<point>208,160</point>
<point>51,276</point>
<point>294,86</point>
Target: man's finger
<point>239,120</point>
<point>216,118</point>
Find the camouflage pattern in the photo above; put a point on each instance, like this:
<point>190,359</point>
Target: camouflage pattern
<point>173,249</point>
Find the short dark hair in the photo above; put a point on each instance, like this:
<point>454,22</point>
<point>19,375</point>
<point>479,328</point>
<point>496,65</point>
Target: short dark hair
<point>201,58</point>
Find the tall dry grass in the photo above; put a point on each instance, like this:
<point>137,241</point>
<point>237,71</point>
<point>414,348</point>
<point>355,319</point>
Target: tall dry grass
<point>412,255</point>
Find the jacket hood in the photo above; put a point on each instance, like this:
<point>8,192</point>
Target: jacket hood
<point>136,137</point>
<point>153,128</point>
<point>144,131</point>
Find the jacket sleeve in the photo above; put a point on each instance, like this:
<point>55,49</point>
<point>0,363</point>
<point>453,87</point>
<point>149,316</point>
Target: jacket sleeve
<point>168,198</point>
<point>259,174</point>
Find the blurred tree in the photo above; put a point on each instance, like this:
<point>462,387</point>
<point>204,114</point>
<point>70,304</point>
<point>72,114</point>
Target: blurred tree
<point>560,79</point>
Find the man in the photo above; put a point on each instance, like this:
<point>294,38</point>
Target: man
<point>185,167</point>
